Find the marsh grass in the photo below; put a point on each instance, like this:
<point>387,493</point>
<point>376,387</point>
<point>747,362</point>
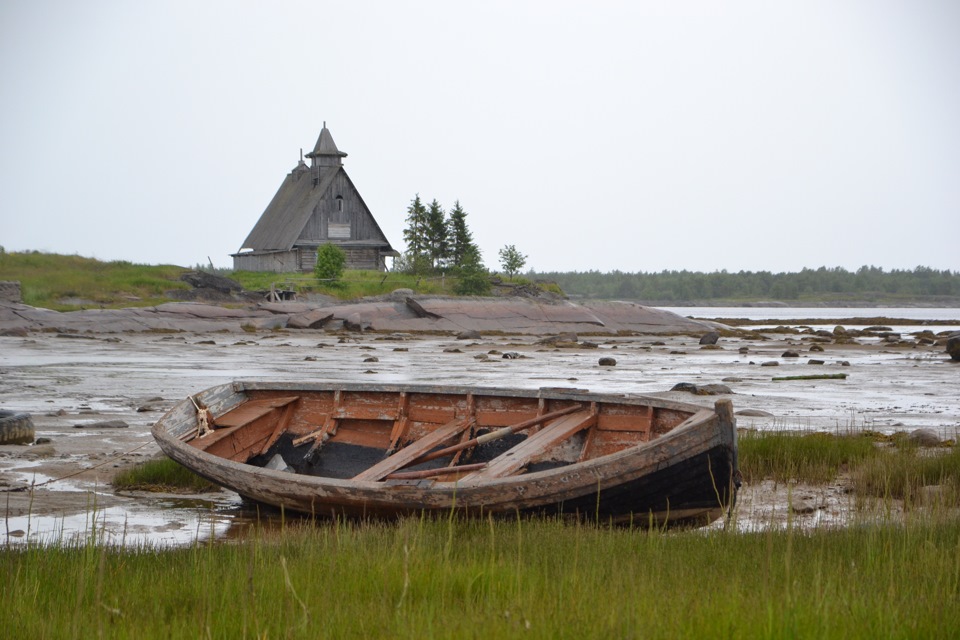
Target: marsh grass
<point>447,578</point>
<point>162,474</point>
<point>812,457</point>
<point>912,474</point>
<point>876,465</point>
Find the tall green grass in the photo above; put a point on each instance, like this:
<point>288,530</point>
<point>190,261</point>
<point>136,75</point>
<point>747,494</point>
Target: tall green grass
<point>814,457</point>
<point>875,466</point>
<point>422,578</point>
<point>162,474</point>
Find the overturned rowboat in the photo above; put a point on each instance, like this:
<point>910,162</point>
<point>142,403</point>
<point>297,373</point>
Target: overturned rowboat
<point>379,451</point>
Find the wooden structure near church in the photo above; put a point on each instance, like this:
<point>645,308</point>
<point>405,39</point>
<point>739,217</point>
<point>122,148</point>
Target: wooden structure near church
<point>315,205</point>
<point>383,451</point>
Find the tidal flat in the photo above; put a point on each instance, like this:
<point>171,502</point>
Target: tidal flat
<point>76,384</point>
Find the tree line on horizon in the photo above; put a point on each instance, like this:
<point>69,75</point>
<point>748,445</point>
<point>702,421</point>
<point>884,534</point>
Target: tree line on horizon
<point>678,286</point>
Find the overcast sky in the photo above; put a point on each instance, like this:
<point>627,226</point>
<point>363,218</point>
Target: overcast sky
<point>636,136</point>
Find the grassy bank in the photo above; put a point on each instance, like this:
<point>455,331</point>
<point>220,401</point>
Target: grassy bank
<point>67,283</point>
<point>64,283</point>
<point>541,579</point>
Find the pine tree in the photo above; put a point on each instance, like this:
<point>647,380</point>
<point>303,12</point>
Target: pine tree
<point>461,240</point>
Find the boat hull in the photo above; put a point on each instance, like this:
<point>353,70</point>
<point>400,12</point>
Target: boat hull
<point>685,476</point>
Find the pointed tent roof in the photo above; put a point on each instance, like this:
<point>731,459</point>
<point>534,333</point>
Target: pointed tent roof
<point>325,145</point>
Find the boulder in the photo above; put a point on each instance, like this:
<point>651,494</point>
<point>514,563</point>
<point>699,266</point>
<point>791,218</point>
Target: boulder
<point>607,361</point>
<point>924,437</point>
<point>953,346</point>
<point>790,354</point>
<point>710,337</point>
<point>702,390</point>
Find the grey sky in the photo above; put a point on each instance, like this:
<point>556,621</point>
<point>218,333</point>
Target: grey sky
<point>637,136</point>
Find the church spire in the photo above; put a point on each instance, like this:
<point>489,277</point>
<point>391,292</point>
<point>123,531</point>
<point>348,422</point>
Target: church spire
<point>325,152</point>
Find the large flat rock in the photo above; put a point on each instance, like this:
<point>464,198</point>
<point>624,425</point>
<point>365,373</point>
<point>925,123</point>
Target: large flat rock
<point>415,314</point>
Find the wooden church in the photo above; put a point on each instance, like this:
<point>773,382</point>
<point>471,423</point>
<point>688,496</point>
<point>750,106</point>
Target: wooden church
<point>314,206</point>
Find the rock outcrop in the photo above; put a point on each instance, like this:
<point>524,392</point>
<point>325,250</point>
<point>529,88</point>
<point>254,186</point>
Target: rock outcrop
<point>422,314</point>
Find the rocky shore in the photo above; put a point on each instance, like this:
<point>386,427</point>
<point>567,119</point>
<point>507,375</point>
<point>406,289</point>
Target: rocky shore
<point>398,312</point>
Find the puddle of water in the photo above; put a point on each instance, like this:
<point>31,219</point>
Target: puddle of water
<point>164,522</point>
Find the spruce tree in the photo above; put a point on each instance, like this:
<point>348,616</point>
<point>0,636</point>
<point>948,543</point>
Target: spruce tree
<point>461,240</point>
<point>416,258</point>
<point>437,245</point>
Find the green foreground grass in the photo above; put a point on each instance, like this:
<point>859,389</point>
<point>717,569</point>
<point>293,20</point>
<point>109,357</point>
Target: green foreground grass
<point>532,578</point>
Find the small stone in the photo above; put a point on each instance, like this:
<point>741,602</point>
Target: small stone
<point>790,354</point>
<point>310,359</point>
<point>770,363</point>
<point>816,347</point>
<point>372,359</point>
<point>103,424</point>
<point>607,361</point>
<point>754,413</point>
<point>744,349</point>
<point>813,361</point>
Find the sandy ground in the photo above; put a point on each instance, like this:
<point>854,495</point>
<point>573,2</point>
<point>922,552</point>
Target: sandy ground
<point>70,384</point>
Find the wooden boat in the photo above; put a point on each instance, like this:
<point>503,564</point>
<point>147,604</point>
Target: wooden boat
<point>375,451</point>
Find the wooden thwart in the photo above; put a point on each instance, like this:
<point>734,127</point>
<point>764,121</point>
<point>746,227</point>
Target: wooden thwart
<point>509,462</point>
<point>411,452</point>
<point>499,433</point>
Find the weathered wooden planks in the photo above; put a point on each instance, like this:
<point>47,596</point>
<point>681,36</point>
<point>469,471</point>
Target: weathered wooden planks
<point>534,446</point>
<point>415,450</point>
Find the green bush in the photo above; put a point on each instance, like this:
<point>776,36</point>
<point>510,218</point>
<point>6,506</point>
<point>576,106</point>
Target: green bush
<point>331,260</point>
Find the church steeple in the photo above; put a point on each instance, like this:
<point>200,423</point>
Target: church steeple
<point>325,152</point>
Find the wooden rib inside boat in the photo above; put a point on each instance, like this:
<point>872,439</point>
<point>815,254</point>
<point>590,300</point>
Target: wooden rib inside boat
<point>382,451</point>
